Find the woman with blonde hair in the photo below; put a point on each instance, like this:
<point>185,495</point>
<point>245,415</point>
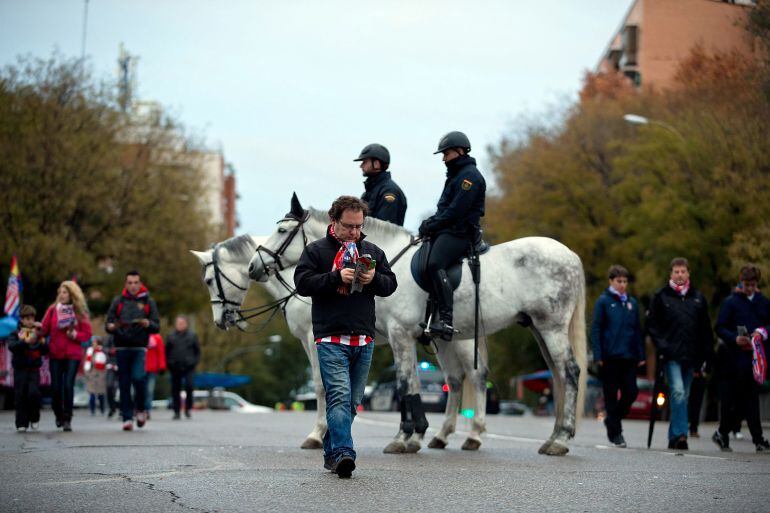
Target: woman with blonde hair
<point>67,323</point>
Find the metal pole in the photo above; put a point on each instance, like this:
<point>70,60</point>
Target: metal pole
<point>85,31</point>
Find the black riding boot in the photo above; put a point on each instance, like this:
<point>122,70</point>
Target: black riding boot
<point>442,327</point>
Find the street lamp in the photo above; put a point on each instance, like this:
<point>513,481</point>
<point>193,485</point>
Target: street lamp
<point>636,119</point>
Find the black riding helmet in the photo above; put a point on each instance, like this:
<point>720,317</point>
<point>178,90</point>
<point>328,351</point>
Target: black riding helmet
<point>374,151</point>
<point>454,140</point>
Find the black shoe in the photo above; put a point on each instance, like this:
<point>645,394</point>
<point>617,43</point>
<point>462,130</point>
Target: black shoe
<point>329,464</point>
<point>111,414</point>
<point>58,422</point>
<point>442,330</point>
<point>681,443</point>
<point>763,446</point>
<point>187,413</point>
<point>618,441</point>
<point>723,442</point>
<point>176,416</point>
<point>344,467</point>
<point>66,425</point>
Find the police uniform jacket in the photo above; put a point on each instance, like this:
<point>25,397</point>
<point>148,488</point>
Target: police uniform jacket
<point>385,199</point>
<point>461,205</point>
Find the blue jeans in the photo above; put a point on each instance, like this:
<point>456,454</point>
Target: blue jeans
<point>131,372</point>
<point>344,370</point>
<point>63,373</point>
<point>150,392</point>
<point>679,376</point>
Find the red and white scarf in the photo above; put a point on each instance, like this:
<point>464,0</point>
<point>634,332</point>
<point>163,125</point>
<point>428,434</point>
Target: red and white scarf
<point>680,289</point>
<point>348,252</point>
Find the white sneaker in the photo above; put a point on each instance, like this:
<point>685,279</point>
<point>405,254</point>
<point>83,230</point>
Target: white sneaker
<point>128,425</point>
<point>33,426</point>
<point>738,436</point>
<point>21,430</point>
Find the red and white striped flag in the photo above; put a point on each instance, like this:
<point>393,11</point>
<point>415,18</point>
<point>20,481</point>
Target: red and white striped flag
<point>13,292</point>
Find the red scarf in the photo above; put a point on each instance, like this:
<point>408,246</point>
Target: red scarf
<point>348,252</point>
<point>680,289</point>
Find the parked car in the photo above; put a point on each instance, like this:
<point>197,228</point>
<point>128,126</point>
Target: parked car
<point>433,391</point>
<point>218,399</point>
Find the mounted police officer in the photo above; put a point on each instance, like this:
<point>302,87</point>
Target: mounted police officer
<point>455,226</point>
<point>385,199</point>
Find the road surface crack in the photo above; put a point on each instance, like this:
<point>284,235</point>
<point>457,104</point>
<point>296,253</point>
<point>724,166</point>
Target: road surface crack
<point>175,499</point>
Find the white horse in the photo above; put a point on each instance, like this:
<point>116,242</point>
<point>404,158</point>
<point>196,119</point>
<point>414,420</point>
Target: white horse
<point>232,259</point>
<point>535,281</point>
<point>225,274</point>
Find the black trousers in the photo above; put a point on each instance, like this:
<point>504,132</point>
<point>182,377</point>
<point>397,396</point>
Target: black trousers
<point>63,373</point>
<point>26,391</point>
<point>697,390</point>
<point>446,249</point>
<point>618,377</point>
<point>739,398</point>
<point>177,375</point>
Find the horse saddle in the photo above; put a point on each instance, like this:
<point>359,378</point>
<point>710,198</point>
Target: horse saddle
<point>419,265</point>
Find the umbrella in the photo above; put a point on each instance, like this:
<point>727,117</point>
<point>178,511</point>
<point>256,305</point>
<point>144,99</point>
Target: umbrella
<point>656,389</point>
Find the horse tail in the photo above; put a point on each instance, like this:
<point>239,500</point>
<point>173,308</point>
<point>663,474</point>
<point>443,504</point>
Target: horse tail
<point>577,338</point>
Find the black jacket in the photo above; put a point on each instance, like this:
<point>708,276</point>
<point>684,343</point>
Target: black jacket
<point>26,356</point>
<point>183,350</point>
<point>461,205</point>
<point>738,310</point>
<point>680,326</point>
<point>335,313</point>
<point>385,199</point>
<point>125,310</point>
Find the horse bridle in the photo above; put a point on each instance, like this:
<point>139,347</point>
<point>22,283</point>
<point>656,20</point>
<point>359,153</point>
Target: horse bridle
<point>278,253</point>
<point>218,276</point>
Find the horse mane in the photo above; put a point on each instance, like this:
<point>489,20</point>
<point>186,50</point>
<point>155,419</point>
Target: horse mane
<point>373,224</point>
<point>242,245</point>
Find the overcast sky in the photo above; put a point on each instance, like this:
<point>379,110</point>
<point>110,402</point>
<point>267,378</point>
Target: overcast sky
<point>291,91</point>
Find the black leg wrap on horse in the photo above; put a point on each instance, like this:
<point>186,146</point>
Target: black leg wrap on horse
<point>572,371</point>
<point>407,423</point>
<point>418,414</point>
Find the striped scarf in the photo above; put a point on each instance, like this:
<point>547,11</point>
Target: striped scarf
<point>680,289</point>
<point>347,254</point>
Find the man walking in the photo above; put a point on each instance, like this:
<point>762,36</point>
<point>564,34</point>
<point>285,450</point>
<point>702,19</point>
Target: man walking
<point>183,352</point>
<point>384,197</point>
<point>334,271</point>
<point>679,324</point>
<point>132,317</point>
<point>743,316</point>
<point>616,337</point>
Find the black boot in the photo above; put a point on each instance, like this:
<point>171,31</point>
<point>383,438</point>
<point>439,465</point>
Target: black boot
<point>442,327</point>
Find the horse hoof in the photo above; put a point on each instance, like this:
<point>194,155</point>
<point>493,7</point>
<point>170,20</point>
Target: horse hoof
<point>395,447</point>
<point>311,443</point>
<point>544,448</point>
<point>437,443</point>
<point>412,446</point>
<point>471,445</point>
<point>554,449</point>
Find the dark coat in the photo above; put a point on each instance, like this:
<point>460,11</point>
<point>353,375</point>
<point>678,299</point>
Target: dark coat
<point>335,313</point>
<point>680,326</point>
<point>616,331</point>
<point>26,356</point>
<point>385,199</point>
<point>461,205</point>
<point>183,350</point>
<point>738,310</point>
<point>125,310</point>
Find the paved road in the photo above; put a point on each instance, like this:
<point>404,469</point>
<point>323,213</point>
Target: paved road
<point>222,461</point>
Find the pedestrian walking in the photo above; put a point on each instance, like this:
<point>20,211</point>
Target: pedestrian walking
<point>67,324</point>
<point>743,322</point>
<point>111,379</point>
<point>679,324</point>
<point>95,370</point>
<point>132,317</point>
<point>155,364</point>
<point>385,199</point>
<point>343,319</point>
<point>183,352</point>
<point>28,347</point>
<point>616,337</point>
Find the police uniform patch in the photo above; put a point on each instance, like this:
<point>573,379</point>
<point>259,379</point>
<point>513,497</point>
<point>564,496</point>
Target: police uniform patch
<point>390,198</point>
<point>467,184</point>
